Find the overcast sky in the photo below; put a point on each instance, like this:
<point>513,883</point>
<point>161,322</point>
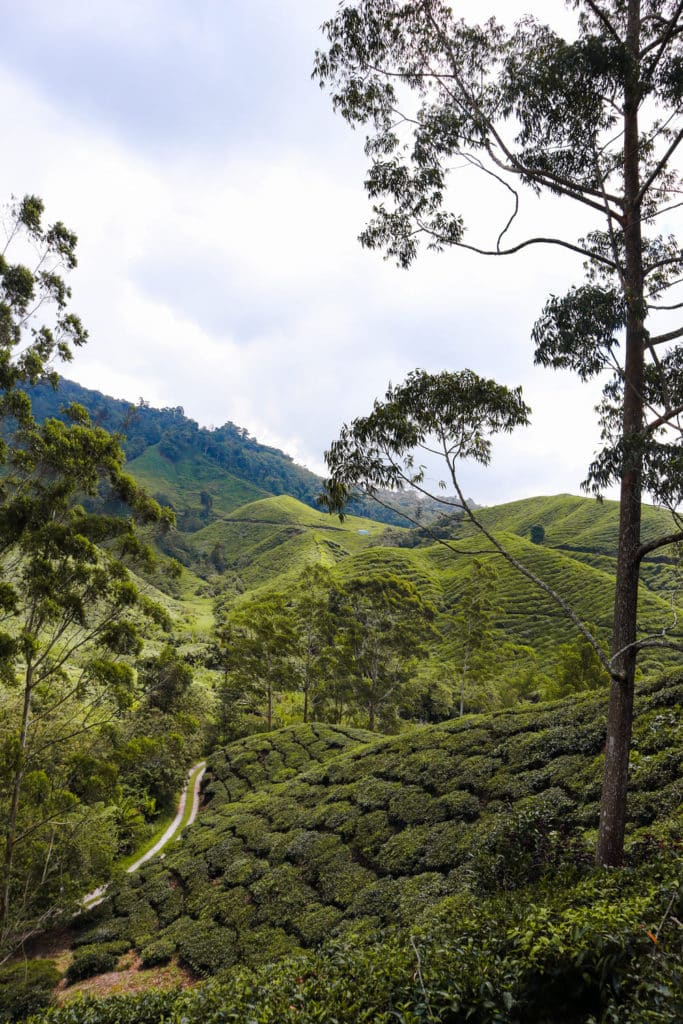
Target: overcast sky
<point>218,199</point>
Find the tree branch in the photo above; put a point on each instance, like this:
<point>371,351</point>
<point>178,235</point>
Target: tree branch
<point>661,339</point>
<point>659,167</point>
<point>659,542</point>
<point>601,16</point>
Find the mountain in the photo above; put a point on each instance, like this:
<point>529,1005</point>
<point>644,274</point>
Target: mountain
<point>179,461</point>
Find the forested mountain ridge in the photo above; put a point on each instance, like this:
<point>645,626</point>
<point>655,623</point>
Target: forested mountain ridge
<point>176,459</point>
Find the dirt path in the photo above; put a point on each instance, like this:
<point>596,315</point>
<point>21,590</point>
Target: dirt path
<point>181,820</point>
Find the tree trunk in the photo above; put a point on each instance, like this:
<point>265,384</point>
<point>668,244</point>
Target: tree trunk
<point>619,723</point>
<point>11,829</point>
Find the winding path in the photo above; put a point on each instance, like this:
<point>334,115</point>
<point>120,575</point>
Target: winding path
<point>181,820</point>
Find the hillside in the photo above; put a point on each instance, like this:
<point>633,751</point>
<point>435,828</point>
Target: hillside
<point>578,524</point>
<point>177,459</point>
<point>264,545</point>
<point>415,831</point>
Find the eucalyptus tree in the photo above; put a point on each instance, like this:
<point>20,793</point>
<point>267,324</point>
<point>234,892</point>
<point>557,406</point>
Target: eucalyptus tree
<point>313,608</point>
<point>594,120</point>
<point>473,622</point>
<point>70,617</point>
<point>36,325</point>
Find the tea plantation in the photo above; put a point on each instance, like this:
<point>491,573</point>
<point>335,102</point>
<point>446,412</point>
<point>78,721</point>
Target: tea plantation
<point>440,875</point>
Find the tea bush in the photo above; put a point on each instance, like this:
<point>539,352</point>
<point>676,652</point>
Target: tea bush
<point>26,987</point>
<point>384,832</point>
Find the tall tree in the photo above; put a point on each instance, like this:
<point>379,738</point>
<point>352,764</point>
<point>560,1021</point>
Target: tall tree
<point>313,607</point>
<point>385,625</point>
<point>473,621</point>
<point>255,645</point>
<point>592,119</point>
<point>69,611</point>
<point>67,603</point>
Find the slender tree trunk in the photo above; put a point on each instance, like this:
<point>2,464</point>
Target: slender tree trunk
<point>11,828</point>
<point>619,724</point>
<point>463,677</point>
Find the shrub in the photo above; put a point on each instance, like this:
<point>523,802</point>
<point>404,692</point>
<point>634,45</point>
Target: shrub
<point>95,959</point>
<point>26,988</point>
<point>203,947</point>
<point>157,952</point>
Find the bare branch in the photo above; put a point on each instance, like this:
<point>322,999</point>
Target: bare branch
<point>659,542</point>
<point>661,339</point>
<point>659,167</point>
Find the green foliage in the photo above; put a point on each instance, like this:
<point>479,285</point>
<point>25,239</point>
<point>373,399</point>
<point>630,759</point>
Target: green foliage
<point>461,410</point>
<point>157,952</point>
<point>26,987</point>
<point>312,831</point>
<point>95,959</point>
<point>537,533</point>
<point>165,678</point>
<point>581,952</point>
<point>578,669</point>
<point>70,608</point>
<point>254,648</point>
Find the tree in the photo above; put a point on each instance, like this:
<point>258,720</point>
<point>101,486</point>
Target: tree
<point>70,612</point>
<point>592,120</point>
<point>28,294</point>
<point>537,534</point>
<point>578,669</point>
<point>385,625</point>
<point>255,645</point>
<point>316,623</point>
<point>68,606</point>
<point>165,679</point>
<point>473,622</point>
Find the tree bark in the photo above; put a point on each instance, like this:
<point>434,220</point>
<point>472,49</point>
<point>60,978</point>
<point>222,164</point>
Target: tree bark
<point>11,829</point>
<point>619,723</point>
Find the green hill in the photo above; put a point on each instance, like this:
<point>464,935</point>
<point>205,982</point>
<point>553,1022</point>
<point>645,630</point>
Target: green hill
<point>180,483</point>
<point>265,541</point>
<point>173,456</point>
<point>579,524</point>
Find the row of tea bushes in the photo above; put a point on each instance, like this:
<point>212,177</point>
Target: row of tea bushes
<point>383,833</point>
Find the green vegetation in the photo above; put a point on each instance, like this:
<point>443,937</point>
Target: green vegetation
<point>461,849</point>
<point>563,117</point>
<point>26,987</point>
<point>385,831</point>
<point>85,761</point>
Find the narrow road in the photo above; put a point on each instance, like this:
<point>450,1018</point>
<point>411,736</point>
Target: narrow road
<point>181,820</point>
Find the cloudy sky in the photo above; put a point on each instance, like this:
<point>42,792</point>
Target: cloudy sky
<point>218,199</point>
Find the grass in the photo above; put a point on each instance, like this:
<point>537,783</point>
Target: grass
<point>160,826</point>
<point>187,812</point>
<point>183,481</point>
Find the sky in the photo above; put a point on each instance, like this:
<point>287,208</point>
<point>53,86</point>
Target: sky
<point>217,200</point>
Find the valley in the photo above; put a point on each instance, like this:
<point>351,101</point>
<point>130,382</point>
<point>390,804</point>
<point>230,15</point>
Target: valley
<point>320,843</point>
